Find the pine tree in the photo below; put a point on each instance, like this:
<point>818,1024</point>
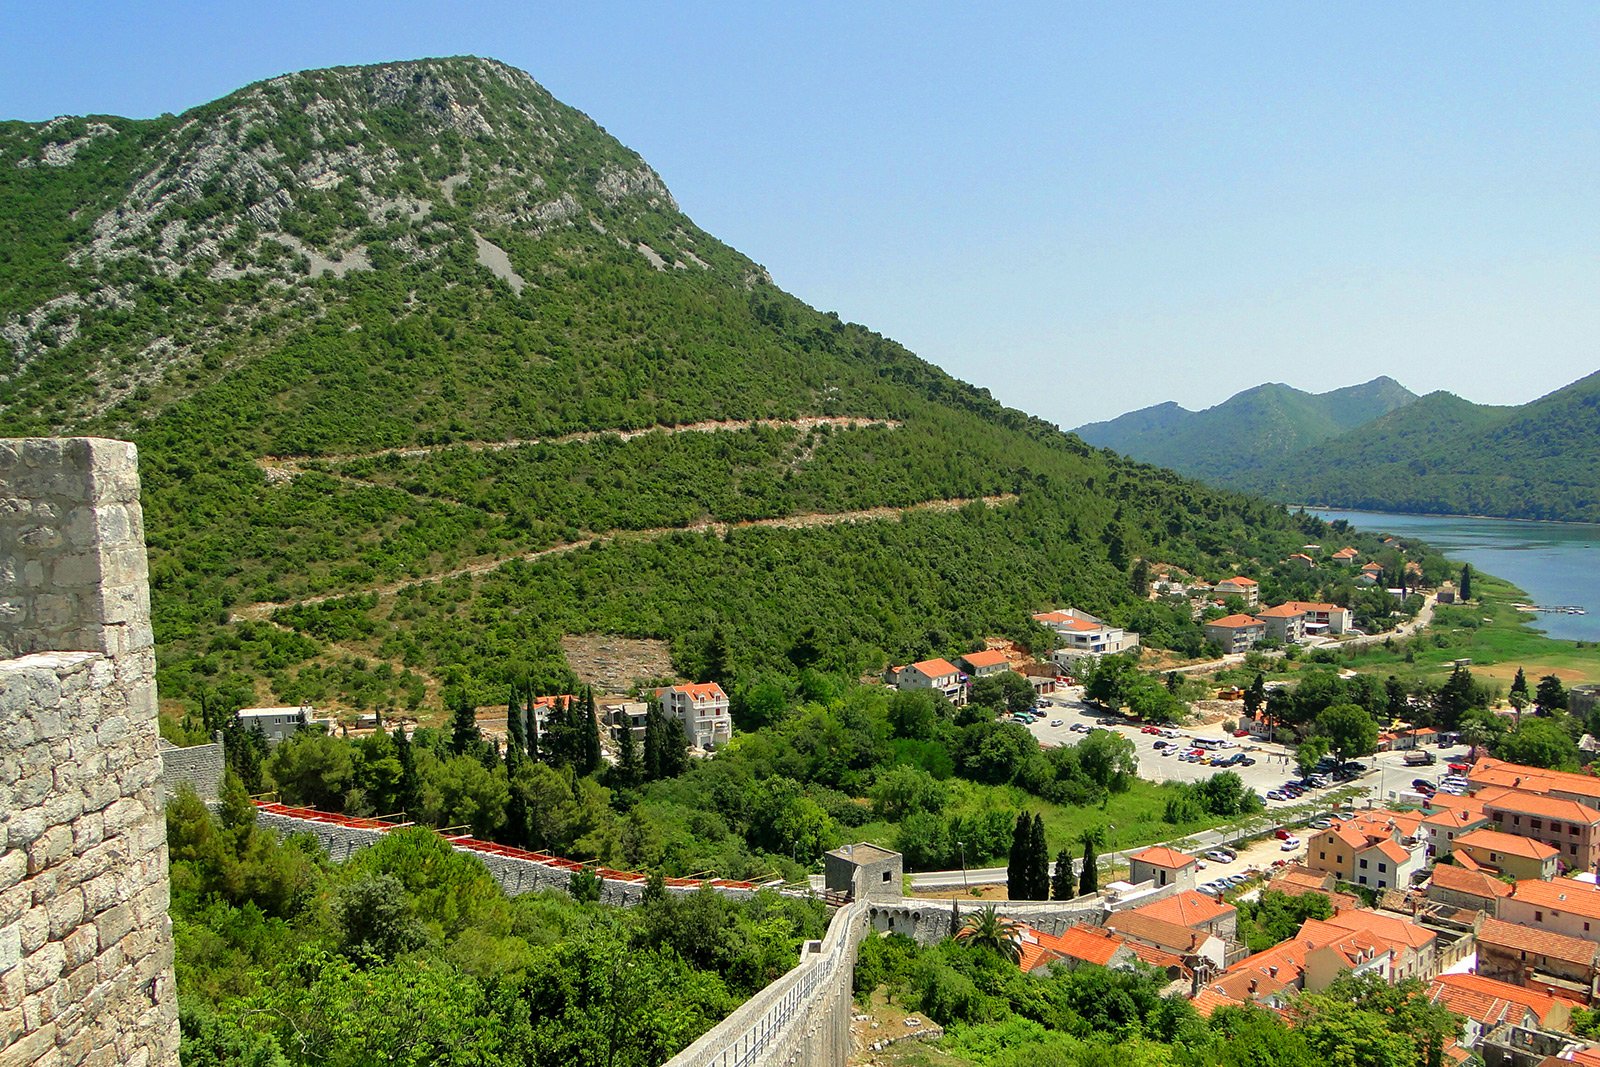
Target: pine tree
<point>1017,884</point>
<point>1519,684</point>
<point>1038,861</point>
<point>1062,882</point>
<point>1466,582</point>
<point>1256,696</point>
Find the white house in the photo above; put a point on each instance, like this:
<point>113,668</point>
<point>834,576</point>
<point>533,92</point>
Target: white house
<point>276,723</point>
<point>1080,634</point>
<point>1235,633</point>
<point>939,675</point>
<point>702,708</point>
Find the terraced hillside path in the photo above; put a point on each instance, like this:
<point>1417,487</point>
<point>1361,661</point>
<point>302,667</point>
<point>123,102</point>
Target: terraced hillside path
<point>281,468</point>
<point>264,609</point>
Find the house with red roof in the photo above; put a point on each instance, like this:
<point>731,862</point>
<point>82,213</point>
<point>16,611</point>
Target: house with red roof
<point>1569,826</point>
<point>1195,947</point>
<point>702,709</point>
<point>1163,866</point>
<point>1235,633</point>
<point>1524,956</point>
<point>1441,825</point>
<point>982,664</point>
<point>1285,623</point>
<point>1300,559</point>
<point>1507,854</point>
<point>939,675</point>
<point>1457,888</point>
<point>1322,617</point>
<point>1485,1003</point>
<point>1379,849</point>
<point>1194,911</point>
<point>1079,634</point>
<point>1246,589</point>
<point>1073,946</point>
<point>1346,556</point>
<point>1563,905</point>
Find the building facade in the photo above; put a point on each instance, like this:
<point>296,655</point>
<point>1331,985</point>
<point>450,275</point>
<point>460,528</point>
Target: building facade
<point>702,710</point>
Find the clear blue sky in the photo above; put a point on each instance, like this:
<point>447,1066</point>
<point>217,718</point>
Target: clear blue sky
<point>1086,208</point>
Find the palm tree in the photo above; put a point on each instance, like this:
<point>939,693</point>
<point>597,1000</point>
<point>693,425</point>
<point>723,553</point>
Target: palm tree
<point>1474,733</point>
<point>986,928</point>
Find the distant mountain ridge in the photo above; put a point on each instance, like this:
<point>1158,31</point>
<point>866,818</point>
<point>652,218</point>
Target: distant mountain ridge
<point>1248,430</point>
<point>1438,453</point>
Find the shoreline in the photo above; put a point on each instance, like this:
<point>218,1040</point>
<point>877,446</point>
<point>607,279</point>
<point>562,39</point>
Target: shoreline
<point>1308,508</point>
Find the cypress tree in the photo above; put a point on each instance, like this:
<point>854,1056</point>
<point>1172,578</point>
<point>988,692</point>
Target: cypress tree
<point>1519,684</point>
<point>1017,884</point>
<point>1038,861</point>
<point>590,732</point>
<point>516,728</point>
<point>1089,878</point>
<point>627,753</point>
<point>532,734</point>
<point>1062,881</point>
<point>410,793</point>
<point>652,743</point>
<point>464,733</point>
<point>1466,587</point>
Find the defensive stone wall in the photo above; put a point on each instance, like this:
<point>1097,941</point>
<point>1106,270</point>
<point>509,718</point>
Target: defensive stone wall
<point>516,875</point>
<point>928,920</point>
<point>85,942</point>
<point>198,766</point>
<point>800,1020</point>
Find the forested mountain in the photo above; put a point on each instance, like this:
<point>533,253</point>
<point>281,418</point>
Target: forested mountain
<point>1247,430</point>
<point>1446,455</point>
<point>427,370</point>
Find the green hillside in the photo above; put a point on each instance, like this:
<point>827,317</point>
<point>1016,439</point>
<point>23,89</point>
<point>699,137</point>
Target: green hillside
<point>428,371</point>
<point>1446,455</point>
<point>1246,431</point>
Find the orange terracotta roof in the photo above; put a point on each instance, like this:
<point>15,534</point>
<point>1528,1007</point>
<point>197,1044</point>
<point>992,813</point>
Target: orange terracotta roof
<point>1238,579</point>
<point>1524,803</point>
<point>1070,622</point>
<point>1510,844</point>
<point>1386,929</point>
<point>1394,850</point>
<point>1443,801</point>
<point>1210,998</point>
<point>1485,1008</point>
<point>987,658</point>
<point>1455,820</point>
<point>1533,779</point>
<point>1034,954</point>
<point>1282,611</point>
<point>1309,606</point>
<point>1186,908</point>
<point>1465,861</point>
<point>1563,894</point>
<point>1540,942</point>
<point>1086,943</point>
<point>935,668</point>
<point>1175,937</point>
<point>1235,622</point>
<point>1161,856</point>
<point>1346,553</point>
<point>1471,883</point>
<point>1540,1004</point>
<point>1295,884</point>
<point>697,690</point>
<point>1155,957</point>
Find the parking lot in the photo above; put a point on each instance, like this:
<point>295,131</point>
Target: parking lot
<point>1274,764</point>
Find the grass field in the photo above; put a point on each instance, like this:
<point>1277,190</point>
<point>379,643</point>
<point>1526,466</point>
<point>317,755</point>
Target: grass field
<point>1490,632</point>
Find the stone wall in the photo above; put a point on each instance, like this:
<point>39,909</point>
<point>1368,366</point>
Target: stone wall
<point>516,875</point>
<point>800,1020</point>
<point>927,920</point>
<point>198,766</point>
<point>85,942</point>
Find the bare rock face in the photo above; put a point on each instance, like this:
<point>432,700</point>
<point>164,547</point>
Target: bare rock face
<point>318,177</point>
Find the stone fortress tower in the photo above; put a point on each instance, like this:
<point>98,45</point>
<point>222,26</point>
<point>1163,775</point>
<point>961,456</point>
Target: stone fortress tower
<point>85,942</point>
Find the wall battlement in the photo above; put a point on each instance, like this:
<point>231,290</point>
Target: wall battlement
<point>85,942</point>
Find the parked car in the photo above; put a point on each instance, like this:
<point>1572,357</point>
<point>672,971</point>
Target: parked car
<point>1290,845</point>
<point>1283,834</point>
<point>1159,745</point>
<point>1150,730</point>
<point>1277,794</point>
<point>1055,722</point>
<point>1237,879</point>
<point>1169,733</point>
<point>1247,761</point>
<point>1241,733</point>
<point>1320,824</point>
<point>1422,785</point>
<point>1459,768</point>
<point>1216,855</point>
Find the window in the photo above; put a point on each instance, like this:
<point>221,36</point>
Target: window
<point>1536,824</point>
<point>1572,829</point>
<point>1363,879</point>
<point>1516,820</point>
<point>1363,867</point>
<point>1383,868</point>
<point>1322,855</point>
<point>1573,849</point>
<point>1538,916</point>
<point>888,876</point>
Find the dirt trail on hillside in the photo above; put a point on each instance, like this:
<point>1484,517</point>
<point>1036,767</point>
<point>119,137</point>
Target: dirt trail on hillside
<point>783,522</point>
<point>280,467</point>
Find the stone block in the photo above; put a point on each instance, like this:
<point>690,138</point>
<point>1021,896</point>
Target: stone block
<point>82,945</point>
<point>13,866</point>
<point>15,900</point>
<point>10,947</point>
<point>29,1049</point>
<point>43,968</point>
<point>34,927</point>
<point>114,923</point>
<point>66,912</point>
